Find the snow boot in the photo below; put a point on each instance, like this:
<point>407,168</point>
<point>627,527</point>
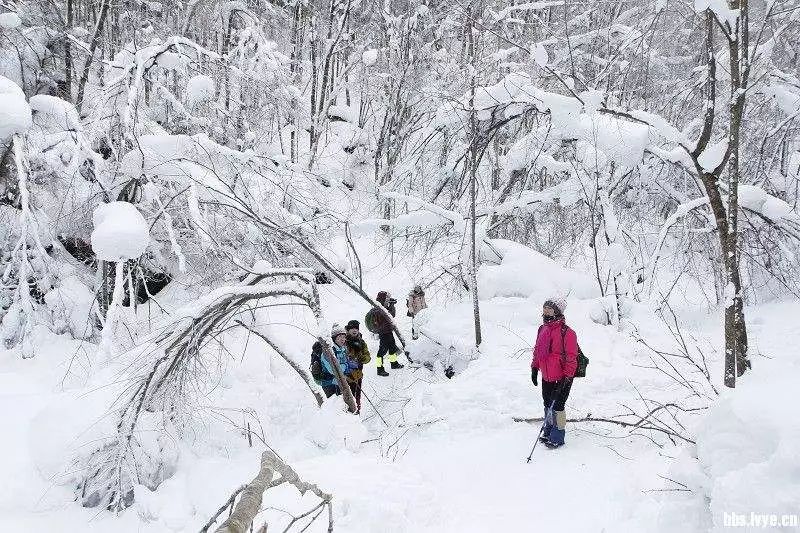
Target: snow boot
<point>393,362</point>
<point>557,432</point>
<point>382,371</point>
<point>556,438</point>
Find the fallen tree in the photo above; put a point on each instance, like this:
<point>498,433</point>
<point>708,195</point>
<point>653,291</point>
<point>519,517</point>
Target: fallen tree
<point>251,495</point>
<point>166,385</point>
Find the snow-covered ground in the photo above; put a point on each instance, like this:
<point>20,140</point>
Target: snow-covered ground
<point>454,457</point>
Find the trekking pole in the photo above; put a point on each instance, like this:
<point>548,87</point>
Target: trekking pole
<point>374,408</point>
<point>544,422</point>
<point>541,429</point>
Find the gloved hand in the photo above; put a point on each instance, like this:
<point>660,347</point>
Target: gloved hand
<point>535,376</point>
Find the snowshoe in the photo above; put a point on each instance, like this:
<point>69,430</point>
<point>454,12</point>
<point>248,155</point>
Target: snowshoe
<point>382,371</point>
<point>396,365</point>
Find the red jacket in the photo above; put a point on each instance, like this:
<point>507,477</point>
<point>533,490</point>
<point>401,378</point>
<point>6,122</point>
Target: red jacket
<point>549,357</point>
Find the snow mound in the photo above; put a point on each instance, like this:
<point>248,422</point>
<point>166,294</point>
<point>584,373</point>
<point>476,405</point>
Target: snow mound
<point>10,21</point>
<point>369,57</point>
<point>750,444</point>
<point>53,112</point>
<point>747,453</point>
<point>120,232</point>
<point>720,8</point>
<point>525,273</point>
<point>757,199</point>
<point>15,114</point>
<point>441,342</point>
<point>188,160</point>
<point>164,155</point>
<point>539,54</point>
<point>346,113</point>
<point>620,141</point>
<point>71,303</point>
<point>786,98</point>
<point>199,89</point>
<point>72,424</point>
<point>713,155</point>
<point>333,428</point>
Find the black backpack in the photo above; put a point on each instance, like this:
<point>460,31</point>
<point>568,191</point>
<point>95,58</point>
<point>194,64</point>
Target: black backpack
<point>583,361</point>
<point>318,371</point>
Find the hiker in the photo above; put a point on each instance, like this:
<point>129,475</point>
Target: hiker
<point>415,302</point>
<point>358,353</point>
<point>556,356</point>
<point>329,384</point>
<point>383,327</point>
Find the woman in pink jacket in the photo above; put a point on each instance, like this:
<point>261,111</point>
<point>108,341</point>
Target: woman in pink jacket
<point>556,356</point>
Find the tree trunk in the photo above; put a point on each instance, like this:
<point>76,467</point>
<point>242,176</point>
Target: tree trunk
<point>297,368</point>
<point>226,42</point>
<point>98,29</point>
<point>736,362</point>
<point>726,212</point>
<point>249,504</point>
<point>9,186</point>
<point>312,136</point>
<point>473,161</point>
<point>67,91</point>
<point>296,62</point>
<point>347,394</point>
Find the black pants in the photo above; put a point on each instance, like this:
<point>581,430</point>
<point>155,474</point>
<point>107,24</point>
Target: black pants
<point>551,391</point>
<point>330,390</point>
<point>387,344</point>
<point>355,388</point>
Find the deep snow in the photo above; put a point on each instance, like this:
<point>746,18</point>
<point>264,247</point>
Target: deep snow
<point>455,460</point>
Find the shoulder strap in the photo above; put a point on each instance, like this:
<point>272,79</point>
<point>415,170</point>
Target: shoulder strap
<point>564,329</point>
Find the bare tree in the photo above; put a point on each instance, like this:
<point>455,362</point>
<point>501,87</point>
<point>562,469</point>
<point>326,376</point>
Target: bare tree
<point>474,161</point>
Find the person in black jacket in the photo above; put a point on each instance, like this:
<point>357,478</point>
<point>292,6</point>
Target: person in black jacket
<point>359,356</point>
<point>387,343</point>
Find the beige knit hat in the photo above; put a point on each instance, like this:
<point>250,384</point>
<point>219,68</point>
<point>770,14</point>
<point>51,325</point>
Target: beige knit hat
<point>558,305</point>
<point>337,330</point>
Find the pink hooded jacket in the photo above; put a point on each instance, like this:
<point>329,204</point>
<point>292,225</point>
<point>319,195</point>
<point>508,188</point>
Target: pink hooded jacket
<point>548,356</point>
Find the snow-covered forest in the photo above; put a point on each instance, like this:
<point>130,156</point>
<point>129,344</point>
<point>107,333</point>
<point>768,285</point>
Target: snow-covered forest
<point>193,194</point>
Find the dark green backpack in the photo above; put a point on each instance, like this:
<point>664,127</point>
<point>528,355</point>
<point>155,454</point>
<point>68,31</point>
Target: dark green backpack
<point>583,361</point>
<point>370,321</point>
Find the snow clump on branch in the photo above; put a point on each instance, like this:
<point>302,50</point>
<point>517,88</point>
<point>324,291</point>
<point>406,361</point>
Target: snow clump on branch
<point>15,114</point>
<point>120,232</point>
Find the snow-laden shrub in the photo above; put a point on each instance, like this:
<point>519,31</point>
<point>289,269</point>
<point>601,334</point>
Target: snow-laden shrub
<point>72,305</point>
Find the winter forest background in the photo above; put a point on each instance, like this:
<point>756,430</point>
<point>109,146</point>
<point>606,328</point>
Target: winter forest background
<point>192,193</point>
